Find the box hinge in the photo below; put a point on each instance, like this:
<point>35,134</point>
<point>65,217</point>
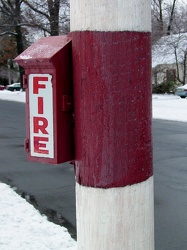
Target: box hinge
<point>26,145</point>
<point>25,81</point>
<point>67,103</point>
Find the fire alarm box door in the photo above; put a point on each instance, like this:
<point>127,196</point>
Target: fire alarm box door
<point>41,115</point>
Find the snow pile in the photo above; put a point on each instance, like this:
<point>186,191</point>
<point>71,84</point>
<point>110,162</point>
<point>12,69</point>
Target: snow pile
<point>22,227</point>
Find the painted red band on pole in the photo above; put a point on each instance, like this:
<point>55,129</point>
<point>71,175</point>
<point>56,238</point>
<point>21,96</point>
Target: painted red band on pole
<point>112,107</point>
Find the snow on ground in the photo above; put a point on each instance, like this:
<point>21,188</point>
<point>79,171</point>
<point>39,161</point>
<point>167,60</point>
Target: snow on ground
<point>21,225</point>
<point>169,107</point>
<point>17,96</point>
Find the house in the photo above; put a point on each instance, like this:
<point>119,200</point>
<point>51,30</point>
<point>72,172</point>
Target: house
<point>169,59</point>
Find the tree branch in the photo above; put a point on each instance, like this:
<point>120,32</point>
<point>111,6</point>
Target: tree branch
<point>8,33</point>
<point>35,9</point>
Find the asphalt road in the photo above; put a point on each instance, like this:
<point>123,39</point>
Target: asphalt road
<point>51,187</point>
<point>170,173</point>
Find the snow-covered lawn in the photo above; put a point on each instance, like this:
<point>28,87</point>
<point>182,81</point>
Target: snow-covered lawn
<point>17,96</point>
<point>169,107</point>
<point>22,227</point>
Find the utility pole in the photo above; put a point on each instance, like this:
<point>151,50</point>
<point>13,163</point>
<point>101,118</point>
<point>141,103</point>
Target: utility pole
<point>111,46</point>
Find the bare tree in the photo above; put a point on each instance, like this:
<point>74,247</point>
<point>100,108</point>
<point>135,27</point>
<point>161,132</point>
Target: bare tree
<point>157,13</point>
<point>170,23</point>
<point>179,23</point>
<point>170,55</point>
<point>11,21</point>
<point>179,45</point>
<point>165,18</point>
<point>11,24</point>
<point>158,20</point>
<point>17,17</point>
<point>51,16</point>
<point>7,52</point>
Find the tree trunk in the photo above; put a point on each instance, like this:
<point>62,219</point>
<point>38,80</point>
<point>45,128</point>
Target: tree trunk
<point>169,29</point>
<point>161,22</point>
<point>54,16</point>
<point>185,67</point>
<point>20,49</point>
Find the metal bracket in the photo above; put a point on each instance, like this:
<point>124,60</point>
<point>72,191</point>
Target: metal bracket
<point>26,145</point>
<point>25,82</point>
<point>67,103</point>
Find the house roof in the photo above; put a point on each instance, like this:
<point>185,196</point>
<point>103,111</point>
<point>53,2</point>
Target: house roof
<point>163,52</point>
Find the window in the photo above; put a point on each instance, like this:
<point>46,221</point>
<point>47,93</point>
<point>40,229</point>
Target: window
<point>171,75</point>
<point>155,78</point>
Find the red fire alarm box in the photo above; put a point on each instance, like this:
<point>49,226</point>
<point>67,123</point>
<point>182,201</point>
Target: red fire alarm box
<point>49,99</point>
